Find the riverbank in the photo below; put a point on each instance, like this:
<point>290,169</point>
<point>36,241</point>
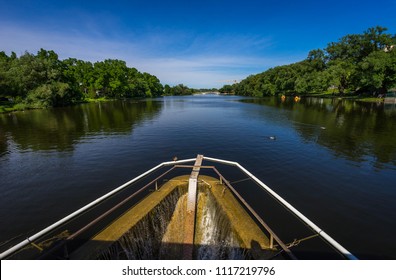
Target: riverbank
<point>357,97</point>
<point>9,107</point>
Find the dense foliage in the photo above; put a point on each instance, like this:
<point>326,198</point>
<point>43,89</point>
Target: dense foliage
<point>179,89</point>
<point>362,63</point>
<point>42,80</point>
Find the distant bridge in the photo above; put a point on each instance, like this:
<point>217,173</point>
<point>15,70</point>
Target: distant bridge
<point>212,92</point>
<point>208,92</point>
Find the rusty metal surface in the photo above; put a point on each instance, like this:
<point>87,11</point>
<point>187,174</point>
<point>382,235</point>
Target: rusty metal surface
<point>189,226</point>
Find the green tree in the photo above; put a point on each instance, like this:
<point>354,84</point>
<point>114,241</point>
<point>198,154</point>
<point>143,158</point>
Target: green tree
<point>80,75</point>
<point>341,74</point>
<point>43,80</point>
<point>363,62</point>
<point>355,47</point>
<point>378,71</point>
<point>111,78</point>
<point>51,95</point>
<point>154,86</point>
<point>227,89</point>
<point>139,87</point>
<point>316,60</point>
<point>5,79</point>
<point>167,90</point>
<point>181,89</point>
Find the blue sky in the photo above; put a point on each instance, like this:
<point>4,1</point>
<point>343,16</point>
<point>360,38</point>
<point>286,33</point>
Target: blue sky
<point>198,43</point>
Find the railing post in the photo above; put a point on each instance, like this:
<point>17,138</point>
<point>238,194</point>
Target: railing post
<point>189,227</point>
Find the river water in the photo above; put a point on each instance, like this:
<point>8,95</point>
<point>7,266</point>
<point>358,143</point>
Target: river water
<point>334,160</point>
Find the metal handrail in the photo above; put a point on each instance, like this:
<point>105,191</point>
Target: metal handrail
<point>312,225</point>
<point>41,233</point>
<point>248,207</point>
<point>258,218</point>
<point>307,221</point>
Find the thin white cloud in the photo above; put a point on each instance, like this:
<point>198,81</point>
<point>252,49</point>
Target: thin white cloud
<point>174,57</point>
<point>206,71</point>
<point>78,46</point>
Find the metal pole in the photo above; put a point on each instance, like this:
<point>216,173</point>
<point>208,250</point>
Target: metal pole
<point>259,219</point>
<point>189,226</point>
<point>34,237</point>
<point>313,226</point>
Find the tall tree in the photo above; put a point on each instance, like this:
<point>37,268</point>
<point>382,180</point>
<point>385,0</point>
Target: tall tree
<point>363,62</point>
<point>378,71</point>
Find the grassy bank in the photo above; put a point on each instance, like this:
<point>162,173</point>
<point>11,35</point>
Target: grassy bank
<point>7,107</point>
<point>370,99</point>
<point>350,96</point>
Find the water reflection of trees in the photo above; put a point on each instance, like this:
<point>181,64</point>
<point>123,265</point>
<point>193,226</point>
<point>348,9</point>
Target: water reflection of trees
<point>61,128</point>
<point>352,129</point>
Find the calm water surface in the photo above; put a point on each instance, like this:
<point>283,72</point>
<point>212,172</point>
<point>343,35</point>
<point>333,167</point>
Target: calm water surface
<point>334,160</point>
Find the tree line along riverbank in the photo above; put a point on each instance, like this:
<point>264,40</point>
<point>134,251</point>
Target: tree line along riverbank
<point>43,80</point>
<point>356,65</point>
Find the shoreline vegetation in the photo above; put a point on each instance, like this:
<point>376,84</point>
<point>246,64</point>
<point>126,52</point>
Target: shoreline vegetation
<point>42,80</point>
<point>359,66</point>
<point>9,107</point>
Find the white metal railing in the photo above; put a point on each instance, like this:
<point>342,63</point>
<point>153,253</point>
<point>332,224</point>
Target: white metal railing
<point>312,225</point>
<point>307,221</point>
<point>41,233</point>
